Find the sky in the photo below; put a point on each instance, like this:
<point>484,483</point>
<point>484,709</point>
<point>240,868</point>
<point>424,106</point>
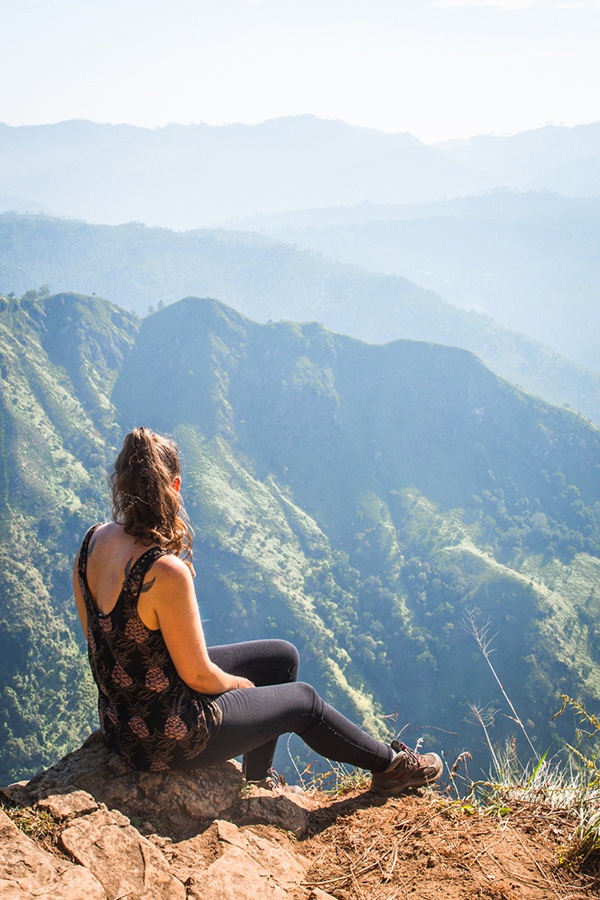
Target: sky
<point>438,69</point>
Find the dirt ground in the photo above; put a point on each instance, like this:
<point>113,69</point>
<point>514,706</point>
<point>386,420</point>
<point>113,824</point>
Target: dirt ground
<point>427,847</point>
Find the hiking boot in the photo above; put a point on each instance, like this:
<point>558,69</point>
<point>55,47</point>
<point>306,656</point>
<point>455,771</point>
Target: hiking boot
<point>408,769</point>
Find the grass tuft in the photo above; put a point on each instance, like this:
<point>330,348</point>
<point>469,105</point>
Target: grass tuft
<point>35,823</point>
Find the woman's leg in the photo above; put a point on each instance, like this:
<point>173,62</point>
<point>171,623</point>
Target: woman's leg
<point>254,718</point>
<point>263,662</point>
<point>267,662</point>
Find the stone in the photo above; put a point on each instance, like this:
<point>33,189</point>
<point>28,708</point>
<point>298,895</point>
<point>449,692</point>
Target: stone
<point>63,807</point>
<point>235,876</point>
<point>124,862</point>
<point>286,868</point>
<point>15,793</point>
<point>199,837</point>
<point>27,870</point>
<point>273,808</point>
<point>174,802</point>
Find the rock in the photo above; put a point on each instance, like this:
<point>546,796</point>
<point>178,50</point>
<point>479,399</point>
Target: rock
<point>235,876</point>
<point>272,808</point>
<point>287,869</point>
<point>192,847</point>
<point>63,807</point>
<point>174,802</point>
<point>27,870</point>
<point>124,862</point>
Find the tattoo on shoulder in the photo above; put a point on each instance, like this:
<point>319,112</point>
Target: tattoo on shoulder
<point>147,586</point>
<point>128,568</point>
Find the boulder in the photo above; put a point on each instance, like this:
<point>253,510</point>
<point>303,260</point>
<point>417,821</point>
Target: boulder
<point>286,811</point>
<point>172,803</point>
<point>124,862</point>
<point>27,870</point>
<point>249,867</point>
<point>115,832</point>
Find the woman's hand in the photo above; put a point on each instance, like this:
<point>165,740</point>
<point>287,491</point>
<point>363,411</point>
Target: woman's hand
<point>242,683</point>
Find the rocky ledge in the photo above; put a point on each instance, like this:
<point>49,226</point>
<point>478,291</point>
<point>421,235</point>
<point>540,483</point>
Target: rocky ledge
<point>103,830</point>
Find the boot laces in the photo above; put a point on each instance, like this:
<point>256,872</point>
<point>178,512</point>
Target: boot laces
<point>413,759</point>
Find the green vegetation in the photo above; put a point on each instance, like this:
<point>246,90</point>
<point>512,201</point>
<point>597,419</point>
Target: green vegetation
<point>144,268</point>
<point>358,500</point>
<point>55,442</point>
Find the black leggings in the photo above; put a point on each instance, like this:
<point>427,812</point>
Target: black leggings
<point>253,718</point>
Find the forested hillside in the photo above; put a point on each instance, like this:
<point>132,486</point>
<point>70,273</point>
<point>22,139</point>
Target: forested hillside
<point>357,499</point>
<point>144,268</point>
<point>58,362</point>
<point>528,260</point>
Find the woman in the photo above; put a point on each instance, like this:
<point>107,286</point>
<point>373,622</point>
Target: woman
<point>165,700</point>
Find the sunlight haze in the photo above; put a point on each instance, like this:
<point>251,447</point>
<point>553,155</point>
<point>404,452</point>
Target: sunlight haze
<point>439,70</point>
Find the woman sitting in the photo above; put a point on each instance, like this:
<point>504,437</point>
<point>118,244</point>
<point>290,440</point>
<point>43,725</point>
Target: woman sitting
<point>165,699</point>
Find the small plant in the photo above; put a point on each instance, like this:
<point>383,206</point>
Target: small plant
<point>35,823</point>
<point>591,731</point>
<point>462,759</point>
<point>571,787</point>
<point>481,634</point>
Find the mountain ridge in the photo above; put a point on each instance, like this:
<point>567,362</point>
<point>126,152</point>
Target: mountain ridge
<point>219,172</point>
<point>139,266</point>
<point>337,490</point>
<point>528,260</point>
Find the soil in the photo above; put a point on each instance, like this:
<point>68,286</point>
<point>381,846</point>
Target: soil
<point>429,847</point>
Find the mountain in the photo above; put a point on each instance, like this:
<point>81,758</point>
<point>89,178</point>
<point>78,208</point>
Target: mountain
<point>188,176</point>
<point>58,361</point>
<point>528,260</point>
<point>143,267</point>
<point>534,159</point>
<point>357,499</point>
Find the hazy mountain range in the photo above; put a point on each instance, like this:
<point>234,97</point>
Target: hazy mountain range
<point>357,494</point>
<point>357,499</point>
<point>141,267</point>
<point>531,261</point>
<point>187,176</point>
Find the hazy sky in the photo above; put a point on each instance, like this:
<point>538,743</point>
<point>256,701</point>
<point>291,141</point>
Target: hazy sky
<point>435,68</point>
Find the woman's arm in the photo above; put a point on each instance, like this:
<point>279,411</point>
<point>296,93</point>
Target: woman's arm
<point>173,599</point>
<point>79,599</point>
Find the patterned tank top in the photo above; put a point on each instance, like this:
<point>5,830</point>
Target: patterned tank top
<point>147,713</point>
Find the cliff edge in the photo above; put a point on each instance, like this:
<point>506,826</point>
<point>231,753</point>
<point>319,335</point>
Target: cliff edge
<point>90,827</point>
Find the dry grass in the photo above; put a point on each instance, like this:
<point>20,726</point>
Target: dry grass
<point>429,846</point>
<point>35,823</point>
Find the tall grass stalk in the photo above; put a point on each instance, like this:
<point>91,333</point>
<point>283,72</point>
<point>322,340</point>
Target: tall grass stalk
<point>480,633</point>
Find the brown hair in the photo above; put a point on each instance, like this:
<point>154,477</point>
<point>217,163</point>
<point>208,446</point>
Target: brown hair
<point>144,500</point>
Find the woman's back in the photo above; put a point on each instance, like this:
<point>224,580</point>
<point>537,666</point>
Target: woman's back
<point>111,555</point>
<point>146,711</point>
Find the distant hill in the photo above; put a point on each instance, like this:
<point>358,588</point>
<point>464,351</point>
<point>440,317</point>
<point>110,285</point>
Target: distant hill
<point>535,159</point>
<point>190,176</point>
<point>529,260</point>
<point>357,499</point>
<point>141,267</point>
<point>11,203</point>
<point>58,362</point>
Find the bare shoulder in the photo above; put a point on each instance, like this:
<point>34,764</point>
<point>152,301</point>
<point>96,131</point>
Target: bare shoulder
<point>106,533</point>
<point>168,591</point>
<point>172,569</point>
